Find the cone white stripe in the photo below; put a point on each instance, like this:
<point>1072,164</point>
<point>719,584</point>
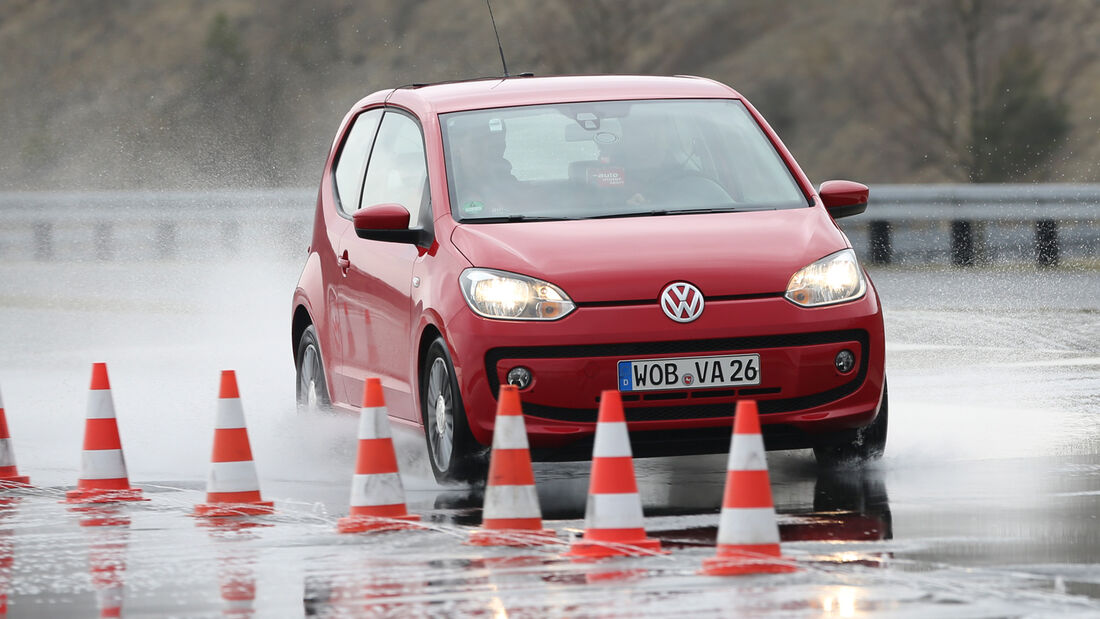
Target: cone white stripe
<point>510,432</point>
<point>109,598</point>
<point>374,422</point>
<point>511,502</point>
<point>7,453</point>
<point>102,464</point>
<point>748,525</point>
<point>230,414</point>
<point>232,477</point>
<point>100,404</point>
<point>747,453</point>
<point>613,511</point>
<point>376,489</point>
<point>612,440</point>
<point>239,604</point>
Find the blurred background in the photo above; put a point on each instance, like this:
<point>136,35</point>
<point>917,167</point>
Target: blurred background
<point>190,94</point>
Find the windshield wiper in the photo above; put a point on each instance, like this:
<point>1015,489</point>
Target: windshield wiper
<point>503,219</point>
<point>661,212</point>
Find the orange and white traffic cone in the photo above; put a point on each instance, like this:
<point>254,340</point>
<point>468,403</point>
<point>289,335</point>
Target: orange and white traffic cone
<point>9,475</point>
<point>103,477</point>
<point>511,514</point>
<point>748,535</point>
<point>613,522</point>
<point>377,496</point>
<point>232,488</point>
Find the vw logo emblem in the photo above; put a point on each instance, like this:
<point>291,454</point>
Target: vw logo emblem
<point>682,302</point>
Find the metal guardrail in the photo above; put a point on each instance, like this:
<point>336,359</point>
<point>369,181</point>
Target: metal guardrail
<point>907,224</point>
<point>174,225</point>
<point>970,224</point>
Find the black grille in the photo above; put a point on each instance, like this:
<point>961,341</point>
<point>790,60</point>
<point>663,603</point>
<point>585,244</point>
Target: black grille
<point>686,411</point>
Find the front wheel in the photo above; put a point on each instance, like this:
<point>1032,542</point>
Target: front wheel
<point>864,445</point>
<point>312,390</point>
<point>452,451</point>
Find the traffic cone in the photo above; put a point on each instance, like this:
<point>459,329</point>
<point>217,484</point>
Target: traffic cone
<point>613,523</point>
<point>377,496</point>
<point>748,535</point>
<point>232,488</point>
<point>511,514</point>
<point>9,475</point>
<point>103,476</point>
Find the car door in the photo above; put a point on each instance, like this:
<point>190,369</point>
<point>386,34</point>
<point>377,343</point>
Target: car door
<point>348,170</point>
<point>378,274</point>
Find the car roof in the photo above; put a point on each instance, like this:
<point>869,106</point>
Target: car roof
<point>513,91</point>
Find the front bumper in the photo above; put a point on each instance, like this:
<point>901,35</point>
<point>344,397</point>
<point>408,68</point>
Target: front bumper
<point>574,359</point>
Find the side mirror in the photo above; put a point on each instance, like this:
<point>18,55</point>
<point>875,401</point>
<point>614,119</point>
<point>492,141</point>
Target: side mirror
<point>844,198</point>
<point>386,222</point>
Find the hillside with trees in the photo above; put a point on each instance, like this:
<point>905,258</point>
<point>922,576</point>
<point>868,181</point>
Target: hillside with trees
<point>193,94</point>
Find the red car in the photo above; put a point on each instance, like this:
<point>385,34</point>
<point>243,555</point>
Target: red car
<point>574,234</point>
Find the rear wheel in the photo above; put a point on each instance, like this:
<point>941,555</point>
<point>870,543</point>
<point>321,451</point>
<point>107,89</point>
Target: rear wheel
<point>856,448</point>
<point>453,452</point>
<point>312,389</point>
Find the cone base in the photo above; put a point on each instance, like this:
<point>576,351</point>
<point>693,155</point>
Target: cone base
<point>512,537</point>
<point>736,566</point>
<point>103,495</point>
<point>15,481</point>
<point>228,510</point>
<point>363,524</point>
<point>627,548</point>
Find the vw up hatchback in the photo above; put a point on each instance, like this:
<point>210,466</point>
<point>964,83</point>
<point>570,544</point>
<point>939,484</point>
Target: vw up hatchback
<point>574,234</point>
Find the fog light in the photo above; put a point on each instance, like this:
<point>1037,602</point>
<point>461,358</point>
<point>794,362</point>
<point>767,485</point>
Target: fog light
<point>844,361</point>
<point>520,377</point>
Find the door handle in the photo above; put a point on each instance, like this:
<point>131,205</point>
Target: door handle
<point>343,262</point>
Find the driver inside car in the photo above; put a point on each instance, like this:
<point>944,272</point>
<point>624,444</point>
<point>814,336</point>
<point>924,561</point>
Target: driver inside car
<point>483,181</point>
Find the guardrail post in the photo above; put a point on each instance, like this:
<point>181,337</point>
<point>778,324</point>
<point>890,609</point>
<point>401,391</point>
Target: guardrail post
<point>43,240</point>
<point>882,246</point>
<point>962,243</point>
<point>104,240</point>
<point>1046,242</point>
<point>231,237</point>
<point>166,239</point>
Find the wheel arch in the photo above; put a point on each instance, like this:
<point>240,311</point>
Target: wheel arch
<point>298,325</point>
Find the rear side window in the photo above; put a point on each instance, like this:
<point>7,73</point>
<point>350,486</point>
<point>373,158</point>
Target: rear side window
<point>398,171</point>
<point>353,159</point>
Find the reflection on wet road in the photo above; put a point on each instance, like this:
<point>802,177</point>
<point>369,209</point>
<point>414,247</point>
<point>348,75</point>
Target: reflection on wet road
<point>987,502</point>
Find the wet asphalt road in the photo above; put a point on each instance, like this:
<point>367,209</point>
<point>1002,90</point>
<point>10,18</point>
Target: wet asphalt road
<point>987,503</point>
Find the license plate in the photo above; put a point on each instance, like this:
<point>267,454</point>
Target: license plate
<point>689,373</point>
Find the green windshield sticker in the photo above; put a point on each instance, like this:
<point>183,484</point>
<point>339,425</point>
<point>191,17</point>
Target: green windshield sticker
<point>473,207</point>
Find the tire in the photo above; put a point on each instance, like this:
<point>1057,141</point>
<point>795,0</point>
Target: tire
<point>453,452</point>
<point>312,389</point>
<point>855,449</point>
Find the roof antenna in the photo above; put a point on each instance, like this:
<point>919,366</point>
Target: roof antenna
<point>499,47</point>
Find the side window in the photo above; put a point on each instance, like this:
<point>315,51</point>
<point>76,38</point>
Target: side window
<point>353,159</point>
<point>397,172</point>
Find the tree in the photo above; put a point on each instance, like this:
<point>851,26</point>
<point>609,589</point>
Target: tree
<point>967,96</point>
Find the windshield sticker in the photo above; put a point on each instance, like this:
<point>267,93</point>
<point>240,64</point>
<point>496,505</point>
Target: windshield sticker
<point>473,207</point>
<point>606,177</point>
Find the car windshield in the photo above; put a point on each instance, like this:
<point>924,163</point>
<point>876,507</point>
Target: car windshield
<point>612,159</point>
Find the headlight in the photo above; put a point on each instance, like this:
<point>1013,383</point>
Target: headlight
<point>836,278</point>
<point>499,294</point>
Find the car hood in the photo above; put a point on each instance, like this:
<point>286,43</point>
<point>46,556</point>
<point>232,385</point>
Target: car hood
<point>633,258</point>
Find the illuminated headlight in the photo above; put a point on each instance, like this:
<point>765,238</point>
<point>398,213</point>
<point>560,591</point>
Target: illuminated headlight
<point>836,278</point>
<point>499,294</point>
